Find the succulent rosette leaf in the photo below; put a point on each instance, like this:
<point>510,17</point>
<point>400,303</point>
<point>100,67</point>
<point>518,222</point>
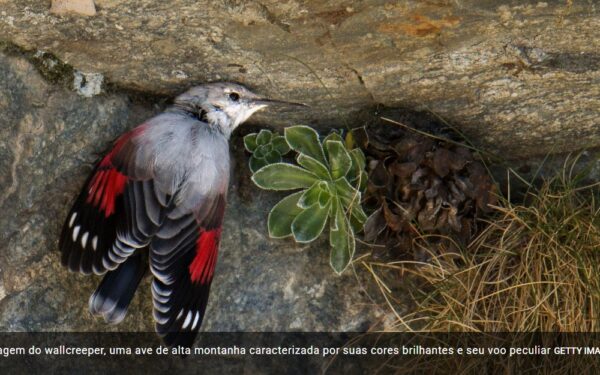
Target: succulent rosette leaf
<point>329,179</point>
<point>266,148</point>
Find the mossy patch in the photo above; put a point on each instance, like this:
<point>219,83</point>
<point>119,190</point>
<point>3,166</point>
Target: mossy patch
<point>47,64</point>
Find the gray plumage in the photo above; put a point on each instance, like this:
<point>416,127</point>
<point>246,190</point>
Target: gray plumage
<point>160,194</point>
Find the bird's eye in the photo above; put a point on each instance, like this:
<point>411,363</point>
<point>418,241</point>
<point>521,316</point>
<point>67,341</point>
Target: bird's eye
<point>234,96</point>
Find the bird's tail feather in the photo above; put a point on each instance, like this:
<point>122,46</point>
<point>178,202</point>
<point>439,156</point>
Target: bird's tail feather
<point>112,297</point>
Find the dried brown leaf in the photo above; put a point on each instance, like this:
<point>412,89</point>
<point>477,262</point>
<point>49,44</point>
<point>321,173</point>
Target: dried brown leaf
<point>453,219</point>
<point>393,221</point>
<point>458,159</point>
<point>417,178</point>
<point>434,188</point>
<point>441,161</point>
<point>403,170</point>
<point>374,225</point>
<point>435,184</point>
<point>379,176</point>
<point>405,145</point>
<point>457,194</point>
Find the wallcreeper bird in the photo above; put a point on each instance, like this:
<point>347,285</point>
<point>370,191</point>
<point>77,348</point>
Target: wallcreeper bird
<point>160,194</point>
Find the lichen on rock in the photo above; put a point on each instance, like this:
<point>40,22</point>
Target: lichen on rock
<point>87,84</point>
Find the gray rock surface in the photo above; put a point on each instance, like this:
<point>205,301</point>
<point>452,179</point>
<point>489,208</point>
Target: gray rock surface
<point>49,137</point>
<point>518,76</point>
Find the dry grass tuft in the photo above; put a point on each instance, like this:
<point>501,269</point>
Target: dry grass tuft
<point>535,267</point>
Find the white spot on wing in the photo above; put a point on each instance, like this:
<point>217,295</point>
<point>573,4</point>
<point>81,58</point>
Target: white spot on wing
<point>76,232</point>
<point>160,319</point>
<point>107,265</point>
<point>120,251</point>
<point>180,314</point>
<point>161,292</point>
<point>95,242</point>
<point>163,277</point>
<point>129,241</point>
<point>114,257</point>
<point>188,320</point>
<point>161,307</point>
<point>84,239</point>
<point>196,320</point>
<point>72,220</point>
<point>160,299</point>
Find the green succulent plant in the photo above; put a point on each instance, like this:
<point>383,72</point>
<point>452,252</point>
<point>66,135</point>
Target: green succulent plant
<point>330,178</point>
<point>266,148</point>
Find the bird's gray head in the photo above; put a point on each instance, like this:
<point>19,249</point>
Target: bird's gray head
<point>224,105</point>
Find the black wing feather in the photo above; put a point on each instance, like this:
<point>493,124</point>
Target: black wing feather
<point>180,300</point>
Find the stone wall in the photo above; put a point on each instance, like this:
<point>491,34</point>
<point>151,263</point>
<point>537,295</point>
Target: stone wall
<point>520,77</point>
<point>49,139</point>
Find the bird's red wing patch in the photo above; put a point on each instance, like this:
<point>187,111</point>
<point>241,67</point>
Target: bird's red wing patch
<point>103,206</point>
<point>183,257</point>
<point>202,267</point>
<point>108,183</point>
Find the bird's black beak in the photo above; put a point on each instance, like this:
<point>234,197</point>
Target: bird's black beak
<point>266,101</point>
